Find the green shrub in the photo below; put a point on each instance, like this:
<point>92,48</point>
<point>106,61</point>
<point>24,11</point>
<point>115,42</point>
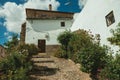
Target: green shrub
<point>17,64</point>
<point>28,49</point>
<point>115,38</point>
<point>14,63</point>
<point>84,48</point>
<point>20,74</point>
<point>80,40</point>
<point>112,69</point>
<point>60,53</point>
<point>64,39</point>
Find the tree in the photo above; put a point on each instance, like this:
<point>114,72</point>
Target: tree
<point>64,39</point>
<point>82,47</point>
<point>115,38</point>
<point>13,43</point>
<point>17,64</point>
<point>112,68</point>
<point>85,49</point>
<point>79,40</point>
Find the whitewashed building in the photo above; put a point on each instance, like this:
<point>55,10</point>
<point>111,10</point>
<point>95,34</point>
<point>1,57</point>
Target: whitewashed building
<point>99,16</point>
<point>44,26</point>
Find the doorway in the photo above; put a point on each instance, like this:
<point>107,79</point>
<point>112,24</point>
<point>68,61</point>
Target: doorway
<point>42,45</point>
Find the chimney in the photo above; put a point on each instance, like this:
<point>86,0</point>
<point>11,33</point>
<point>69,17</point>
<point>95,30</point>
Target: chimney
<point>50,7</point>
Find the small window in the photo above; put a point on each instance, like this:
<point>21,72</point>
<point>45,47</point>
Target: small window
<point>110,18</point>
<point>62,24</point>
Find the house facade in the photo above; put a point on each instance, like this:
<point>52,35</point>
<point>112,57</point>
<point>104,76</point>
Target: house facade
<point>43,26</point>
<point>99,17</point>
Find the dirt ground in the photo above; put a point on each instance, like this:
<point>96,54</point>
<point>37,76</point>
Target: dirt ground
<point>52,68</point>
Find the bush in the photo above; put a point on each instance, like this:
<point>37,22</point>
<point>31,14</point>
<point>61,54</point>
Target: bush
<point>15,64</point>
<point>84,48</point>
<point>28,49</point>
<point>92,60</point>
<point>112,69</point>
<point>81,39</point>
<point>60,53</point>
<point>64,39</point>
<point>115,38</point>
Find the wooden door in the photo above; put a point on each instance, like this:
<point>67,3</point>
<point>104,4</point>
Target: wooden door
<point>42,45</point>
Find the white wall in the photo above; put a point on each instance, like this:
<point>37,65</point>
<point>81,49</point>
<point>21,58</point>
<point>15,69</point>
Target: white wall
<point>48,25</point>
<point>93,17</point>
<point>37,29</point>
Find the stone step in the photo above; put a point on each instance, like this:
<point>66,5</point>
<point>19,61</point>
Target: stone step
<point>44,65</point>
<point>44,71</point>
<point>39,56</point>
<point>42,60</point>
<point>34,77</point>
<point>49,65</point>
<point>42,54</point>
<point>46,61</point>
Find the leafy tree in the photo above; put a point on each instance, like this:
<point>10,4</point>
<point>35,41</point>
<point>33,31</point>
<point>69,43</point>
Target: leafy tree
<point>112,68</point>
<point>14,65</point>
<point>79,40</point>
<point>64,39</point>
<point>17,64</point>
<point>13,43</point>
<point>115,39</point>
<point>92,59</point>
<point>82,47</point>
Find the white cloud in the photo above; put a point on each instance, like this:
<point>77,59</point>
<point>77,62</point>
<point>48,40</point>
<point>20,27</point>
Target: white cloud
<point>15,14</point>
<point>82,3</point>
<point>42,4</point>
<point>6,33</point>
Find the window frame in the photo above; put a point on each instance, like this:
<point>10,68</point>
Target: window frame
<point>110,19</point>
<point>62,24</point>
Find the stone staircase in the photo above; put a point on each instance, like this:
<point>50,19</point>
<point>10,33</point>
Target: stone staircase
<point>47,67</point>
<point>44,66</point>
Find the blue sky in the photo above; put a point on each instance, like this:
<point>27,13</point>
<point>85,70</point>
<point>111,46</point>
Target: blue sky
<point>7,19</point>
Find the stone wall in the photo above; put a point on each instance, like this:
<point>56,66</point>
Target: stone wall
<point>22,34</point>
<point>2,52</point>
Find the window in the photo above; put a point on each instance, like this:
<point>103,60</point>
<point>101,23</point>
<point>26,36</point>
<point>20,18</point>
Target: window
<point>62,24</point>
<point>110,18</point>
